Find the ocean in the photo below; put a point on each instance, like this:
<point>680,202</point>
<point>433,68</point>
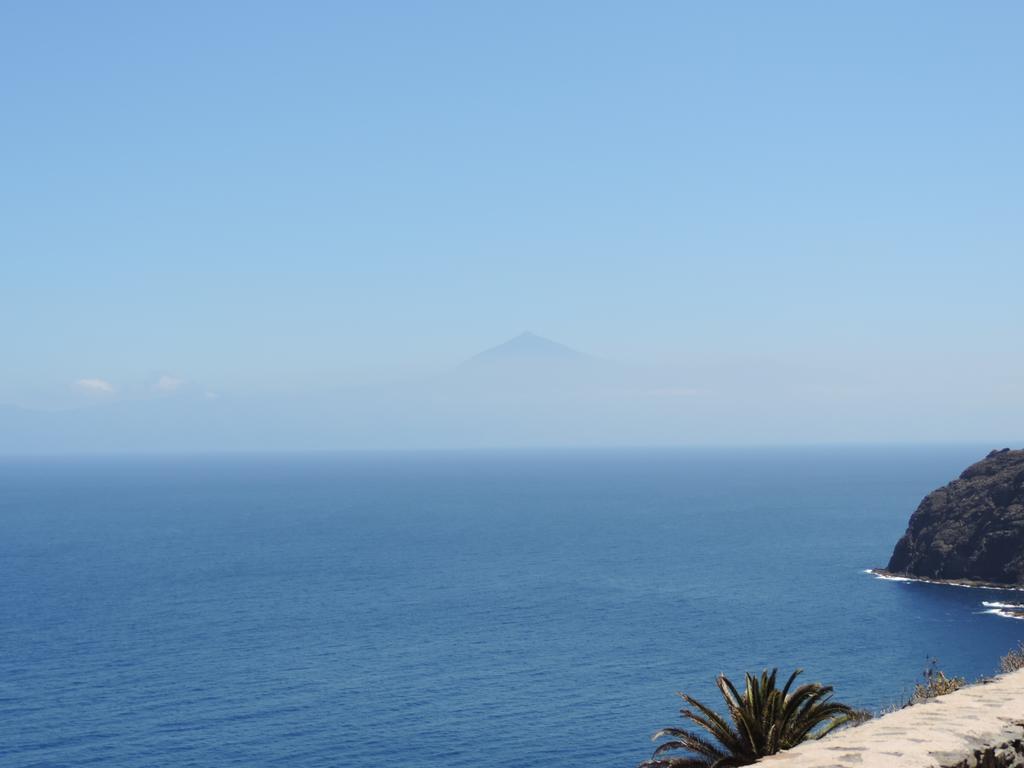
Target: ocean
<point>452,609</point>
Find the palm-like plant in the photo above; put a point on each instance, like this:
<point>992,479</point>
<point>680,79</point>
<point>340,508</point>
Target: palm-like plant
<point>764,720</point>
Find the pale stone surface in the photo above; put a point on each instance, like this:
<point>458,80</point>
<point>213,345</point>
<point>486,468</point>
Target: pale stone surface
<point>981,726</point>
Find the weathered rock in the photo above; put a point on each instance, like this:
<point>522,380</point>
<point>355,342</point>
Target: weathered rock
<point>972,529</point>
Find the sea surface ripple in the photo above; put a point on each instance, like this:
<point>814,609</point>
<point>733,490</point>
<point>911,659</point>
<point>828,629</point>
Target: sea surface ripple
<point>442,609</point>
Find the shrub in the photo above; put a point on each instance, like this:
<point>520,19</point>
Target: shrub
<point>1013,660</point>
<point>935,683</point>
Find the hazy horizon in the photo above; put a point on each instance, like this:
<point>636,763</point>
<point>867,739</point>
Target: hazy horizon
<point>528,392</point>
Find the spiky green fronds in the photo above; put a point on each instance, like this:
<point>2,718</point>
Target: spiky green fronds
<point>762,720</point>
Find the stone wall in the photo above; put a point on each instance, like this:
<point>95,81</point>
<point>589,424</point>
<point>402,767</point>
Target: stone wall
<point>981,726</point>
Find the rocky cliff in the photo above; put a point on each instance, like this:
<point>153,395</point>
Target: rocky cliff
<point>972,528</point>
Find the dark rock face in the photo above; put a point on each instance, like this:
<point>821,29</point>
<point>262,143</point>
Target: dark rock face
<point>972,528</point>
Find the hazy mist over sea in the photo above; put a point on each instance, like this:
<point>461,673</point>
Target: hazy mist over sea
<point>528,391</point>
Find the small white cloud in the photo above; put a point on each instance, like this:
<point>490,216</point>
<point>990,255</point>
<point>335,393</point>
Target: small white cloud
<point>95,386</point>
<point>211,395</point>
<point>168,383</point>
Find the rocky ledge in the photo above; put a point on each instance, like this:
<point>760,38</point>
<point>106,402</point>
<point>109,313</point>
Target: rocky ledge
<point>980,726</point>
<point>970,531</point>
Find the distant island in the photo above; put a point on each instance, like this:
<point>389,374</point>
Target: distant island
<point>970,531</point>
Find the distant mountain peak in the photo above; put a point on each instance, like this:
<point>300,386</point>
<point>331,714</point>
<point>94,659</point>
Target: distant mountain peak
<point>526,346</point>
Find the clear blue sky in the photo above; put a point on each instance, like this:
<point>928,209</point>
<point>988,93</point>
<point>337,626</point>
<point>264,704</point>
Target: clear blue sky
<point>279,196</point>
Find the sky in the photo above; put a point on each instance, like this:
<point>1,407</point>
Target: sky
<point>788,202</point>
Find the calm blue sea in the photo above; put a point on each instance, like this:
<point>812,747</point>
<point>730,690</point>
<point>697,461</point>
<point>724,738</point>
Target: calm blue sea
<point>441,610</point>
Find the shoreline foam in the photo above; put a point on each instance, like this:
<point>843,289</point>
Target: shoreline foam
<point>1001,609</point>
<point>881,573</point>
<point>1006,610</point>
